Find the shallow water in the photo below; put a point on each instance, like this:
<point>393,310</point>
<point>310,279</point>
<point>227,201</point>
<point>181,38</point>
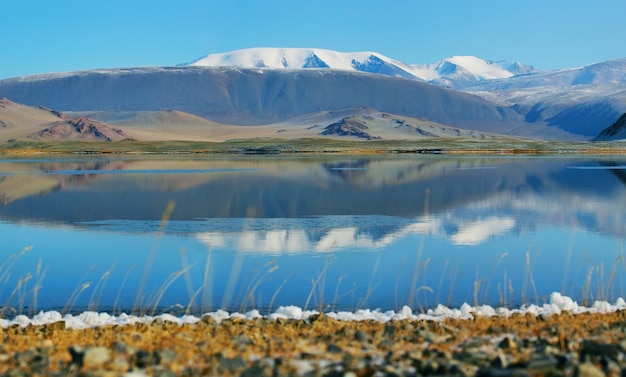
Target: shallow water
<point>198,234</point>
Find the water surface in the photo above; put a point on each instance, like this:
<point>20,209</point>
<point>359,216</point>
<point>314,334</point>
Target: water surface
<point>197,234</point>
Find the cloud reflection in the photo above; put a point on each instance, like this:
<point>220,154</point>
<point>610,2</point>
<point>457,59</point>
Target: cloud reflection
<point>477,232</point>
<point>294,240</point>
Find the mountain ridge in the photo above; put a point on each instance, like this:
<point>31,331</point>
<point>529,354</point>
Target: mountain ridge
<point>454,72</point>
<point>240,96</point>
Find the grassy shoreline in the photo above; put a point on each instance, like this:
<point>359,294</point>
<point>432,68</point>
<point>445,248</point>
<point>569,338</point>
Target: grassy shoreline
<point>314,146</point>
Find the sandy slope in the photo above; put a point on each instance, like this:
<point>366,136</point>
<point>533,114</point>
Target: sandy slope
<point>19,121</point>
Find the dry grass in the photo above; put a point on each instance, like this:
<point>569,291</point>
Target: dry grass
<point>256,146</point>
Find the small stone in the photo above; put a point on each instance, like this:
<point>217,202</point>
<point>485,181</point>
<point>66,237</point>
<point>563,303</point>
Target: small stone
<point>164,373</point>
<point>120,364</point>
<point>26,357</point>
<point>507,344</point>
<point>96,356</point>
<point>122,348</point>
<point>332,348</point>
<point>588,370</point>
<point>143,359</point>
<point>232,364</point>
<point>500,361</point>
<point>165,357</point>
<point>389,331</point>
<point>46,344</point>
<point>468,369</point>
<point>362,336</point>
<point>208,320</point>
<point>54,326</point>
<point>542,363</point>
<point>242,340</point>
<point>501,372</point>
<point>256,370</point>
<point>77,353</point>
<point>596,349</point>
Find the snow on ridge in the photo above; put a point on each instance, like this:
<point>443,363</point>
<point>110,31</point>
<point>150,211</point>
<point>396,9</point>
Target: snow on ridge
<point>290,58</point>
<point>484,69</point>
<point>464,69</point>
<point>558,304</point>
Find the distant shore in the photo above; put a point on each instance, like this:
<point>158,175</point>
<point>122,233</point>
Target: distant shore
<point>315,146</point>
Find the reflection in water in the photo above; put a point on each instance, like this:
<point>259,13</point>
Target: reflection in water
<point>341,233</point>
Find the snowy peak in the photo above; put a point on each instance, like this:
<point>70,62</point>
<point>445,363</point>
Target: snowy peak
<point>280,58</point>
<point>456,72</point>
<point>302,58</point>
<point>461,71</point>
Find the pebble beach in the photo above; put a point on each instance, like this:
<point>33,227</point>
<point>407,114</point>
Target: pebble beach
<point>533,342</point>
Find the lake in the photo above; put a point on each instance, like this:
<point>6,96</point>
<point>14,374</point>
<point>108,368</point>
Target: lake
<point>194,234</point>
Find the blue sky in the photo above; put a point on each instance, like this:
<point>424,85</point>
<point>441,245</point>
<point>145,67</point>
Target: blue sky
<point>66,35</point>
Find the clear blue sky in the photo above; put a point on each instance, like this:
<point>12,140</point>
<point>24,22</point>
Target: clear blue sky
<point>66,35</point>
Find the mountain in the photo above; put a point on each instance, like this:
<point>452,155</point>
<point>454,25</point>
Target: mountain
<point>574,103</point>
<point>582,101</point>
<point>302,58</point>
<point>455,72</point>
<point>18,121</point>
<point>288,92</point>
<point>460,72</point>
<point>81,128</point>
<point>240,96</point>
<point>374,125</point>
<point>609,72</point>
<point>617,131</point>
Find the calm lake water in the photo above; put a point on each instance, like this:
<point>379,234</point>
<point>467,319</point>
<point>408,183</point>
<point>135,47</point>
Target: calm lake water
<point>338,233</point>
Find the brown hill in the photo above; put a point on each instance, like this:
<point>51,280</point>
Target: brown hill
<point>81,128</point>
<point>20,122</point>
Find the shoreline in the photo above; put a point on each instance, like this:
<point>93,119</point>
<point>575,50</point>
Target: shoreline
<point>520,344</point>
<point>258,147</point>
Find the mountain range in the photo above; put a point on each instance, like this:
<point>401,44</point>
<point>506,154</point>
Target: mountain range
<point>290,93</point>
<point>455,72</point>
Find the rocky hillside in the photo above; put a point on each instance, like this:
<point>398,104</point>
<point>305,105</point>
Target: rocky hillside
<point>81,128</point>
<point>617,131</point>
<point>20,122</point>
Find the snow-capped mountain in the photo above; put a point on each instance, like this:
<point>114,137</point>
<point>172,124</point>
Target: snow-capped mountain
<point>582,100</point>
<point>455,72</point>
<point>461,71</point>
<point>264,86</point>
<point>301,58</point>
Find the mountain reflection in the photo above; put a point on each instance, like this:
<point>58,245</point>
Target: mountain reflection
<point>326,204</point>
